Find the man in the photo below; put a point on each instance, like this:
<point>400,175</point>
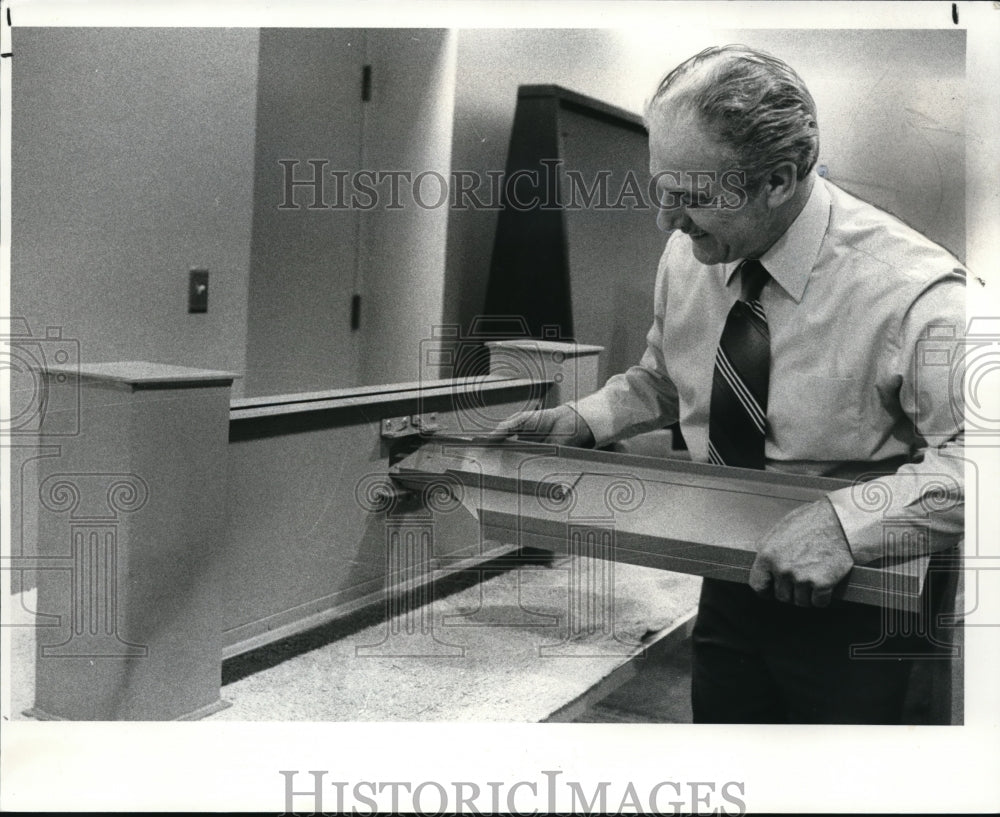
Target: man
<point>791,322</point>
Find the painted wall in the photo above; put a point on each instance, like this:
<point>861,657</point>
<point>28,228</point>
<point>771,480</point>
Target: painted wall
<point>403,251</point>
<point>308,261</point>
<point>139,154</point>
<point>132,162</point>
<point>490,65</point>
<point>136,154</point>
<point>891,111</point>
<point>304,259</point>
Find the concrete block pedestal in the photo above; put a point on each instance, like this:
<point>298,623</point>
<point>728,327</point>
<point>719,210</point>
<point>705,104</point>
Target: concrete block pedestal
<point>131,516</point>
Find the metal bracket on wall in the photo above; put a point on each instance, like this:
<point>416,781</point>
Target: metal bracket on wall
<point>393,428</point>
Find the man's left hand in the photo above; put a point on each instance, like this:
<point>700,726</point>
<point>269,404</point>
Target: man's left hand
<point>803,557</point>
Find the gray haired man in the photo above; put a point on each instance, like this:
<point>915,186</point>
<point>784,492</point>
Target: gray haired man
<point>789,319</point>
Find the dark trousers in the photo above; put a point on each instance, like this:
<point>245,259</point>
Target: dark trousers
<point>763,661</point>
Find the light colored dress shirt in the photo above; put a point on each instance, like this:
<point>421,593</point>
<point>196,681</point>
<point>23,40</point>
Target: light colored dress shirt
<point>866,319</point>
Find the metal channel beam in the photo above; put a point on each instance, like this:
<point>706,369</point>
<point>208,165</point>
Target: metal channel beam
<point>673,515</point>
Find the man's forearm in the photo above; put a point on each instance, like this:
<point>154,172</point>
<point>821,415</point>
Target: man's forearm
<point>920,509</point>
<point>638,400</point>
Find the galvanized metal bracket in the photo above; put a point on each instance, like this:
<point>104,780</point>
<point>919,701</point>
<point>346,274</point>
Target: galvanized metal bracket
<point>394,428</point>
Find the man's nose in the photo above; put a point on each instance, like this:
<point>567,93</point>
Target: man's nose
<point>673,218</point>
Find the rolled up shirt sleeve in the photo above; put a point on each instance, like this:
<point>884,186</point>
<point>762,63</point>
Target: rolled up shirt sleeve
<point>642,398</point>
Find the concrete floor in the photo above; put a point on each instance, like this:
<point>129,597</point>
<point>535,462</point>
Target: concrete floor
<point>660,691</point>
<point>504,649</point>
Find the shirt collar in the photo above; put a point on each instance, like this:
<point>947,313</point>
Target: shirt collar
<point>790,259</point>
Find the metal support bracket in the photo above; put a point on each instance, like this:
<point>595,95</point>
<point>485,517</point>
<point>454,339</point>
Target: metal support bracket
<point>394,428</point>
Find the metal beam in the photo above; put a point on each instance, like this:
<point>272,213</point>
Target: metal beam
<point>669,514</point>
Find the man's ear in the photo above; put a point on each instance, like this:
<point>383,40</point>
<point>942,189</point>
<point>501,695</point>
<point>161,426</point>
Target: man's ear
<point>781,183</point>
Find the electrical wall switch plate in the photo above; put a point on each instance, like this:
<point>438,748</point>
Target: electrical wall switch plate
<point>198,290</point>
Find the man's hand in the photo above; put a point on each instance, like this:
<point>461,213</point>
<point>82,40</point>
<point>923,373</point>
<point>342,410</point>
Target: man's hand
<point>560,425</point>
<point>803,557</point>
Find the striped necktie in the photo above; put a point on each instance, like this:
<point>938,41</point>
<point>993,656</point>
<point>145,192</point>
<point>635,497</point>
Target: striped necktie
<point>738,415</point>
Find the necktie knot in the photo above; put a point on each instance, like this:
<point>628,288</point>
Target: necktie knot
<point>753,276</point>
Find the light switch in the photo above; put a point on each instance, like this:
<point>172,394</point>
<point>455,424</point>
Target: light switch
<point>198,290</point>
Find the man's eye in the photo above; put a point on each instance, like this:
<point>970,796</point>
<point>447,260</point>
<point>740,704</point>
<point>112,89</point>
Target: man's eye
<point>671,199</point>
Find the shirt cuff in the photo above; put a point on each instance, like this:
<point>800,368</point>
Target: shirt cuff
<point>596,413</point>
<point>863,527</point>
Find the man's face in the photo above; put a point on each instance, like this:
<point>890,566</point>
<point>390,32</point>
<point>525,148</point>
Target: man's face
<point>702,194</point>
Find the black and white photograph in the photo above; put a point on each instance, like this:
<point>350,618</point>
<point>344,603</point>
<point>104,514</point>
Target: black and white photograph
<point>475,408</point>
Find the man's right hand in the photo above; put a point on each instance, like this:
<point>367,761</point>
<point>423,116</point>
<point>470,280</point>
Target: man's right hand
<point>560,426</point>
